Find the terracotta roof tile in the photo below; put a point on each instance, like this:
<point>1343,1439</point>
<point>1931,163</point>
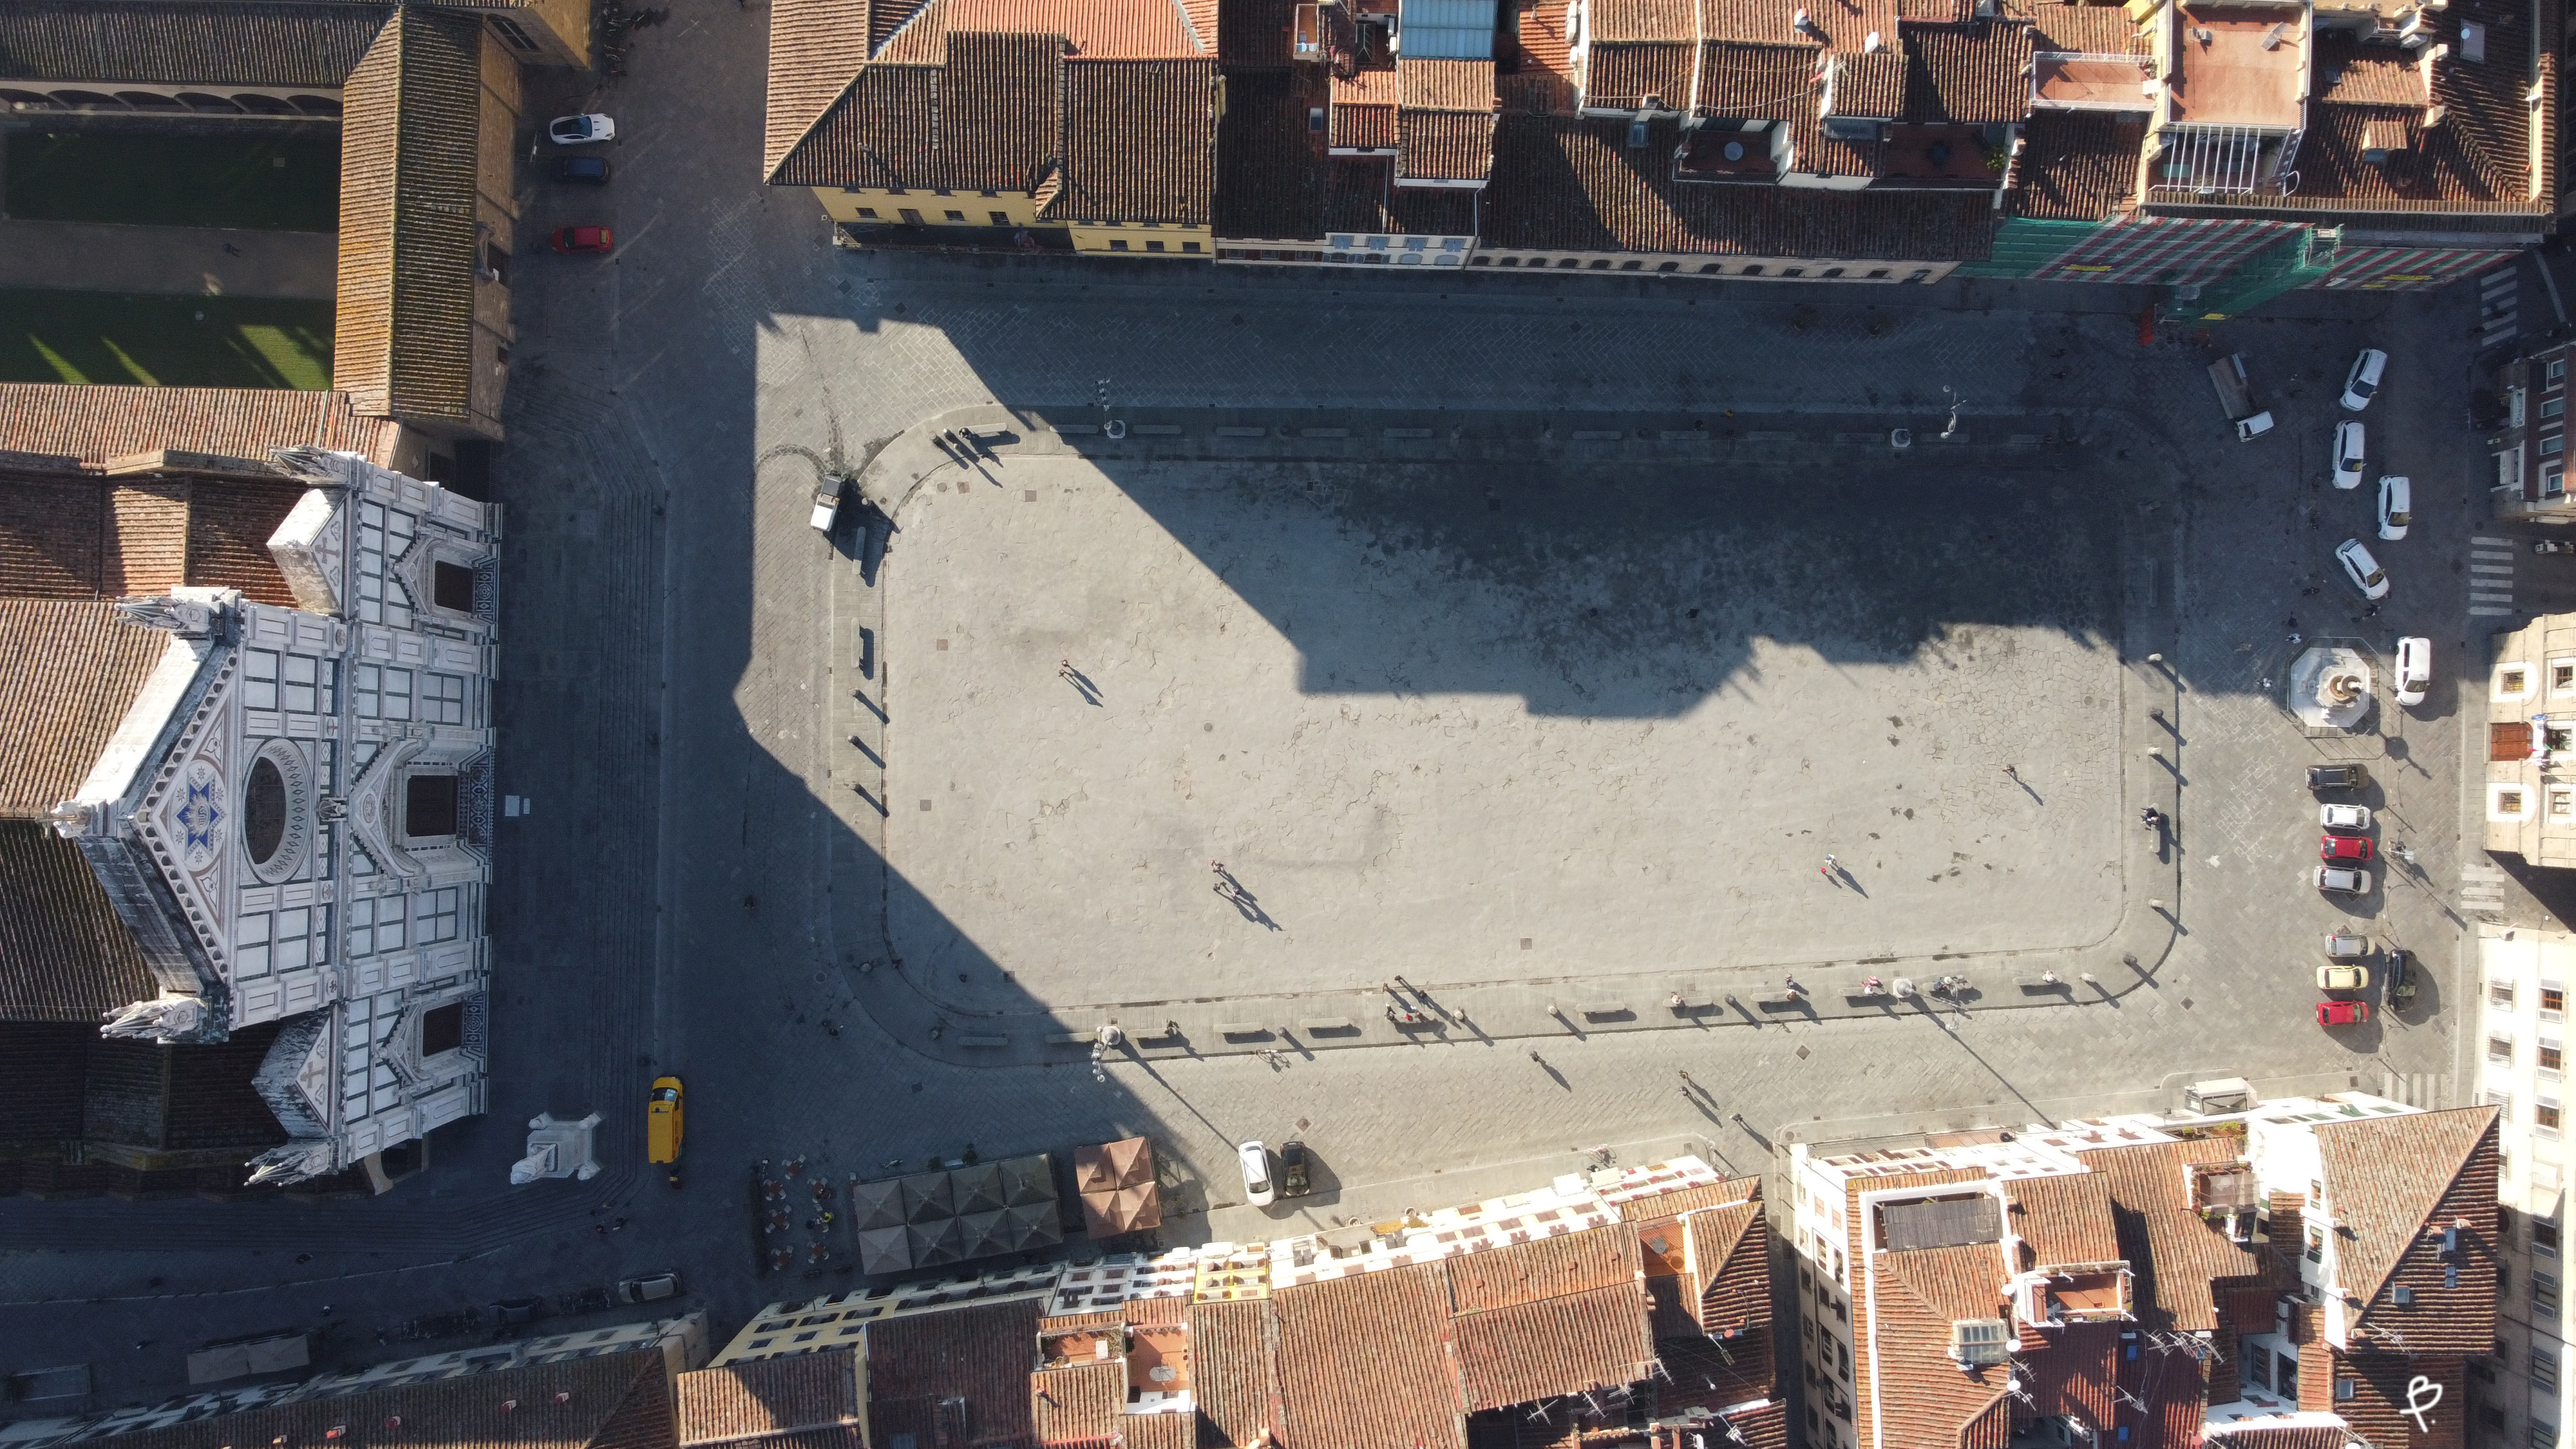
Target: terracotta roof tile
<point>767,1398</point>
<point>2227,1436</point>
<point>1740,78</point>
<point>2353,73</point>
<point>2398,1185</point>
<point>1445,119</point>
<point>1721,1193</point>
<point>1255,33</point>
<point>1544,78</point>
<point>1547,1347</point>
<point>1731,1281</point>
<point>68,673</point>
<point>878,134</point>
<point>64,954</point>
<point>2177,1258</point>
<point>1618,73</point>
<point>998,113</point>
<point>1078,1404</point>
<point>2381,1390</point>
<point>1232,1352</point>
<point>97,422</point>
<point>1139,141</point>
<point>935,1375</point>
<point>2064,1219</point>
<point>2077,167</point>
<point>1159,1431</point>
<point>403,344</point>
<point>1097,29</point>
<point>1270,178</point>
<point>1818,154</point>
<point>1871,84</point>
<point>1363,1362</point>
<point>1169,1309</point>
<point>1363,110</point>
<point>1925,1400</point>
<point>1973,76</point>
<point>1544,1268</point>
<point>2079,29</point>
<point>2076,1372</point>
<point>252,44</point>
<point>53,537</point>
<point>1616,20</point>
<point>815,48</point>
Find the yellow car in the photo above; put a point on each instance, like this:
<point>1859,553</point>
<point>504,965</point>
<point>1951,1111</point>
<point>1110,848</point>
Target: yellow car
<point>662,1122</point>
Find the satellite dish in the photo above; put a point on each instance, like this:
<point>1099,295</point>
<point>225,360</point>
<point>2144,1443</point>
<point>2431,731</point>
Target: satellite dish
<point>1734,150</point>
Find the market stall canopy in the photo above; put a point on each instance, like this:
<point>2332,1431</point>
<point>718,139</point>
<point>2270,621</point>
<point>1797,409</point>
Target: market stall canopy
<point>1116,1180</point>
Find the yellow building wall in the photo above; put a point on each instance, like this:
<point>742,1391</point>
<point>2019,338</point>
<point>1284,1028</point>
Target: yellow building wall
<point>973,208</point>
<point>1136,238</point>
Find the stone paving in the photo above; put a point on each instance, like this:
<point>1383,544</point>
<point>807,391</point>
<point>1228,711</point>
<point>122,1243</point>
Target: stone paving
<point>699,890</point>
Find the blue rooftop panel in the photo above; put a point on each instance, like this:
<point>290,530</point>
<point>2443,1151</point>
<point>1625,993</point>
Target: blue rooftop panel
<point>1446,29</point>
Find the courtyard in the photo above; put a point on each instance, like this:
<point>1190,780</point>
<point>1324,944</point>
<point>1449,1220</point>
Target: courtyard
<point>1495,724</point>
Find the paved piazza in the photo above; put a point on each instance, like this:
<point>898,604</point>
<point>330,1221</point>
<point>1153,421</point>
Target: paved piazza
<point>1499,723</point>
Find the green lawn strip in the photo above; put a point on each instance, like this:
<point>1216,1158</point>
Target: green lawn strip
<point>123,337</point>
<point>146,180</point>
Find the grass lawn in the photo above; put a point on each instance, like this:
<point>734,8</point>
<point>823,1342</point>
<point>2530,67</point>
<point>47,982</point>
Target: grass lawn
<point>144,180</point>
<point>124,337</point>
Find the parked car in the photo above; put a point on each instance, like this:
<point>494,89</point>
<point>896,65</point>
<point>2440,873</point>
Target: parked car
<point>2396,505</point>
<point>651,1288</point>
<point>2358,565</point>
<point>2359,386</point>
<point>1255,1160</point>
<point>2401,976</point>
<point>827,508</point>
<point>2342,978</point>
<point>512,1312</point>
<point>2337,777</point>
<point>662,1121</point>
<point>2344,946</point>
<point>581,130</point>
<point>1294,1180</point>
<point>2340,880</point>
<point>2353,818</point>
<point>2348,449</point>
<point>2414,670</point>
<point>593,171</point>
<point>2342,1013</point>
<point>596,239</point>
<point>2344,847</point>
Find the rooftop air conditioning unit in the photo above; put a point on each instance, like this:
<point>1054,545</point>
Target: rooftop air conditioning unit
<point>1975,1342</point>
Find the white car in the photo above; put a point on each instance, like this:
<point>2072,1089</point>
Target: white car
<point>2348,453</point>
<point>2349,819</point>
<point>581,130</point>
<point>1258,1190</point>
<point>2414,669</point>
<point>2396,505</point>
<point>2362,569</point>
<point>2362,384</point>
<point>2343,880</point>
<point>2343,978</point>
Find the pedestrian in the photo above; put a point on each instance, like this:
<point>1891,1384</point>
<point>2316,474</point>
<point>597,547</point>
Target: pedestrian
<point>230,250</point>
<point>2267,681</point>
<point>2009,770</point>
<point>1685,1076</point>
<point>2298,639</point>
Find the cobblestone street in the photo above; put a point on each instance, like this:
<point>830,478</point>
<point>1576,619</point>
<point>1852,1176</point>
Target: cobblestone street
<point>687,665</point>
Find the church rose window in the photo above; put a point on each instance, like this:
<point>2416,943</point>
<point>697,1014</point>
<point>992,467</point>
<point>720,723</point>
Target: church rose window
<point>264,811</point>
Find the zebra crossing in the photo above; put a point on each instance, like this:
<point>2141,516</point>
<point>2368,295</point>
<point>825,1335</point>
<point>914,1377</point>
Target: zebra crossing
<point>2490,577</point>
<point>2499,307</point>
<point>2417,1089</point>
<point>2481,891</point>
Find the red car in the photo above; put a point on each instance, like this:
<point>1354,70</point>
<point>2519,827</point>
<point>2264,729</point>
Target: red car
<point>2342,1013</point>
<point>2343,847</point>
<point>582,239</point>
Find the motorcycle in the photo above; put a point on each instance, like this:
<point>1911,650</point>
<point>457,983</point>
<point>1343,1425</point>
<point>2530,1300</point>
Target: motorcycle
<point>2554,545</point>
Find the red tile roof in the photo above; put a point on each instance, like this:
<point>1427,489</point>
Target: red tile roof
<point>2064,1219</point>
<point>1445,119</point>
<point>1740,78</point>
<point>1139,142</point>
<point>1974,75</point>
<point>2076,166</point>
<point>69,670</point>
<point>616,1401</point>
<point>1096,29</point>
<point>815,47</point>
<point>1868,84</point>
<point>1730,1247</point>
<point>1924,1400</point>
<point>1255,33</point>
<point>2383,1385</point>
<point>1363,109</point>
<point>2176,1256</point>
<point>1077,1405</point>
<point>1545,1268</point>
<point>97,422</point>
<point>1232,1351</point>
<point>2398,1185</point>
<point>965,1370</point>
<point>1564,183</point>
<point>65,955</point>
<point>1364,1362</point>
<point>759,1401</point>
<point>1553,1346</point>
<point>1270,174</point>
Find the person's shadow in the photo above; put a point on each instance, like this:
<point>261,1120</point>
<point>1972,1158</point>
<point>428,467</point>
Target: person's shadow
<point>1081,682</point>
<point>1242,900</point>
<point>1843,877</point>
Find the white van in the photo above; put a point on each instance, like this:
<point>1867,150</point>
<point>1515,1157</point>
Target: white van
<point>2414,670</point>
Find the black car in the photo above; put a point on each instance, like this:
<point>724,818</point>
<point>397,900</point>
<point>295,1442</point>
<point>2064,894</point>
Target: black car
<point>512,1312</point>
<point>582,170</point>
<point>1293,1181</point>
<point>2401,977</point>
<point>2337,777</point>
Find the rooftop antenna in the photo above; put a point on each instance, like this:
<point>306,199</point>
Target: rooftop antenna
<point>2272,37</point>
<point>2130,1399</point>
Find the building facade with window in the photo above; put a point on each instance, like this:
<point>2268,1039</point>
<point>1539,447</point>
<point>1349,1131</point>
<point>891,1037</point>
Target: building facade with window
<point>2296,1272</point>
<point>2531,742</point>
<point>2529,437</point>
<point>249,853</point>
<point>2522,1394</point>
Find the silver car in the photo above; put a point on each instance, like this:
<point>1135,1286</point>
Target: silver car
<point>2349,450</point>
<point>2342,880</point>
<point>2414,670</point>
<point>2362,569</point>
<point>2362,383</point>
<point>1258,1189</point>
<point>2396,505</point>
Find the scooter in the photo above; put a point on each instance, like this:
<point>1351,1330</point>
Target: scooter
<point>2554,545</point>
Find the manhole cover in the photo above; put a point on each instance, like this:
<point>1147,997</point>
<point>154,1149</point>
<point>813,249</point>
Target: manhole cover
<point>2186,1003</point>
<point>1802,1054</point>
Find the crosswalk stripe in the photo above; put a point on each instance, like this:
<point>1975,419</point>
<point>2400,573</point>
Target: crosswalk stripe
<point>2491,553</point>
<point>2491,542</point>
<point>2504,569</point>
<point>2489,613</point>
